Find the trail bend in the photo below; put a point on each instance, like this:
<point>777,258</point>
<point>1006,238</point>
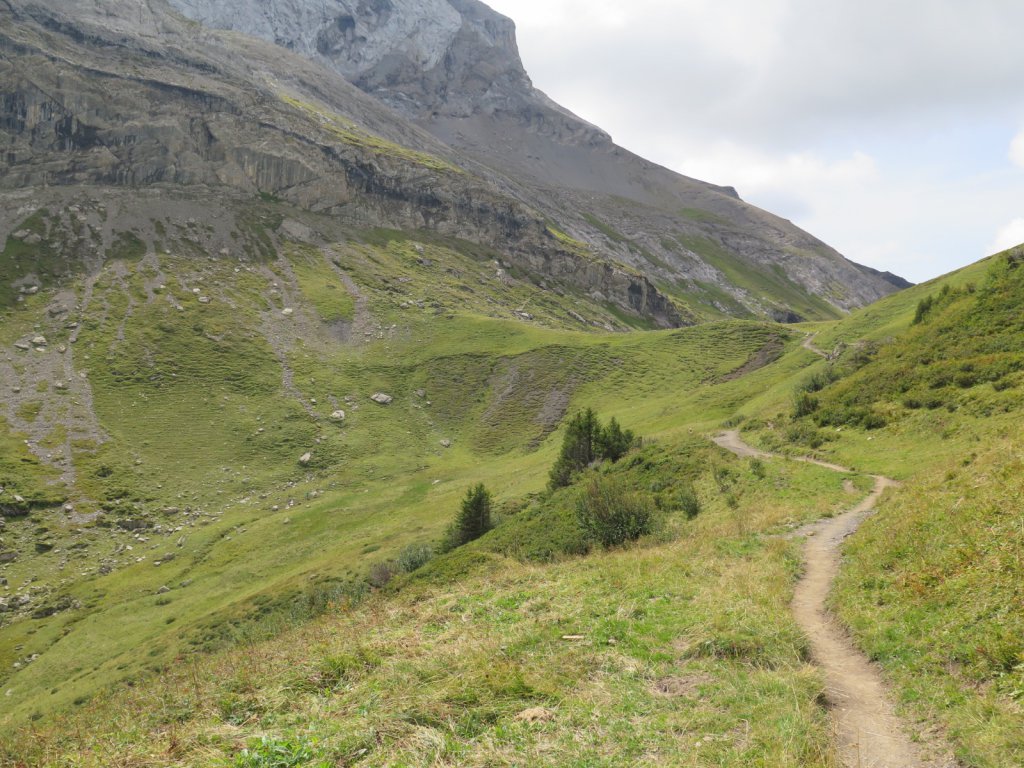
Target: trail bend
<point>869,733</point>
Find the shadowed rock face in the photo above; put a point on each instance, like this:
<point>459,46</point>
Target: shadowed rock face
<point>129,94</point>
<point>453,67</point>
<point>425,58</point>
<point>124,95</point>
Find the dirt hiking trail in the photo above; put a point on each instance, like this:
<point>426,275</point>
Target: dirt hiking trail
<point>868,732</point>
<point>808,344</point>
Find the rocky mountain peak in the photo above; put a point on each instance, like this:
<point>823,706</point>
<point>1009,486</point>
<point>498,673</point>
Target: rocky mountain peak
<point>424,58</point>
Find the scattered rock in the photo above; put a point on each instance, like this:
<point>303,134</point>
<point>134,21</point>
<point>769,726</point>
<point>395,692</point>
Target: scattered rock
<point>381,398</point>
<point>305,459</point>
<point>338,416</point>
<point>535,715</point>
<point>687,686</point>
<point>63,603</point>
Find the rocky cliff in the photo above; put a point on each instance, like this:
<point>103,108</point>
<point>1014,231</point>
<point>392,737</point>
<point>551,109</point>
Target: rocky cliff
<point>406,114</point>
<point>453,67</point>
<point>123,94</point>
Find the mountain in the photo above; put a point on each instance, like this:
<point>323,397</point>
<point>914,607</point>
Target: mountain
<point>454,69</point>
<point>127,95</point>
<point>266,314</point>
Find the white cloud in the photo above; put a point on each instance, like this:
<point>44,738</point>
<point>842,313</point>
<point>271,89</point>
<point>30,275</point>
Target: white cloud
<point>869,123</point>
<point>1007,237</point>
<point>1017,150</point>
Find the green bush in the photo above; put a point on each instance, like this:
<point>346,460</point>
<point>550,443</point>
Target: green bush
<point>688,502</point>
<point>611,513</point>
<point>804,404</point>
<point>269,752</point>
<point>586,441</point>
<point>414,557</point>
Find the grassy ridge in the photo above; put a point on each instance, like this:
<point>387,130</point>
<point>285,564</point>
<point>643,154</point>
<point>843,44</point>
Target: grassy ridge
<point>933,591</point>
<point>686,651</point>
<point>205,408</point>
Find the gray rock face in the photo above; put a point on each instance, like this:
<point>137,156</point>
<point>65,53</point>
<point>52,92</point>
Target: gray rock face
<point>453,66</point>
<point>423,57</point>
<point>129,95</point>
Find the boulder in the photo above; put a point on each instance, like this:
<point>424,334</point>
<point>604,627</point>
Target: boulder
<point>382,398</point>
<point>305,459</point>
<point>446,443</point>
<point>338,416</point>
<point>39,341</point>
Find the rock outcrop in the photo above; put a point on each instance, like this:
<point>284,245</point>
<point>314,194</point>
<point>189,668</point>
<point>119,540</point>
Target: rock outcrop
<point>453,67</point>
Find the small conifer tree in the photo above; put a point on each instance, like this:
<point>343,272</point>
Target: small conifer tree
<point>579,447</point>
<point>586,441</point>
<point>474,518</point>
<point>614,442</point>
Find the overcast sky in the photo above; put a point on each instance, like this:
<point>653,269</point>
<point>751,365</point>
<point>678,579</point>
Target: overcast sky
<point>894,131</point>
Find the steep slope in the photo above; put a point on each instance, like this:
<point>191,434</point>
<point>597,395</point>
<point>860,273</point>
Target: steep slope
<point>454,68</point>
<point>122,94</point>
<point>683,646</point>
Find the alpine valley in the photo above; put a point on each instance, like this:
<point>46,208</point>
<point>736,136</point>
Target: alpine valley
<point>282,279</point>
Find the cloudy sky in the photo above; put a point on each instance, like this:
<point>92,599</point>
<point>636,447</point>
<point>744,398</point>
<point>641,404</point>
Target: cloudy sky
<point>894,131</point>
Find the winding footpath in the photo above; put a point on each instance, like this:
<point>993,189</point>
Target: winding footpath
<point>808,344</point>
<point>868,732</point>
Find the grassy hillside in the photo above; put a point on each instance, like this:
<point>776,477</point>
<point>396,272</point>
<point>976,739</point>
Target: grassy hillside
<point>175,397</point>
<point>245,580</point>
<point>682,646</point>
<point>932,585</point>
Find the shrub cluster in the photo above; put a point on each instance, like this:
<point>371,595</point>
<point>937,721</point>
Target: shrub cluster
<point>611,513</point>
<point>586,441</point>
